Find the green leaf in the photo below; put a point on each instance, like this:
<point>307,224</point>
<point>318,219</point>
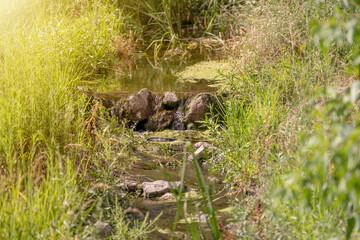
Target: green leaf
<point>350,227</point>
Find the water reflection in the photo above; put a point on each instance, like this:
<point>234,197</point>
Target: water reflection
<point>145,74</point>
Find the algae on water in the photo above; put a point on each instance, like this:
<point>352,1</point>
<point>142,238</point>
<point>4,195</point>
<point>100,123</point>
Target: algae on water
<point>213,72</point>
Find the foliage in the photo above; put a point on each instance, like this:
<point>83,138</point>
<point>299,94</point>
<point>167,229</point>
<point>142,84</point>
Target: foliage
<point>326,183</point>
<point>168,20</point>
<point>185,206</point>
<point>341,31</point>
<point>46,48</point>
<point>267,114</point>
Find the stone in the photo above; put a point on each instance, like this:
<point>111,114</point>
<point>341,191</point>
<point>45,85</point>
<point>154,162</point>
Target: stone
<point>202,148</point>
<point>205,144</point>
<point>158,188</point>
<point>160,139</point>
<point>130,184</point>
<point>199,218</point>
<point>198,108</point>
<point>158,103</point>
<point>139,106</point>
<point>170,100</point>
<point>203,218</point>
<point>199,154</point>
<point>160,121</point>
<point>166,196</point>
<point>102,229</point>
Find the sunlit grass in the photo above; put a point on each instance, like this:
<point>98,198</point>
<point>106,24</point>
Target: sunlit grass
<point>46,47</point>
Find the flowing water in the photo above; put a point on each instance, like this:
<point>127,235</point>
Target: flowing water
<point>165,165</point>
<point>156,164</point>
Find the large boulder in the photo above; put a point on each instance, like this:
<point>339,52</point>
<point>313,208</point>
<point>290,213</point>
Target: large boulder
<point>160,121</point>
<point>159,188</point>
<point>139,106</point>
<point>198,108</point>
<point>170,100</point>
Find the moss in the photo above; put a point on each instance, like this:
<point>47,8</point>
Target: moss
<point>180,135</point>
<point>210,72</point>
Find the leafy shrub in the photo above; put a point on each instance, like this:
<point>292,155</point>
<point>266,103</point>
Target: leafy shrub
<point>327,182</point>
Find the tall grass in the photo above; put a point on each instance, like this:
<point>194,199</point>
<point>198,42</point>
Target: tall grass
<point>268,114</point>
<point>46,48</point>
<point>167,21</point>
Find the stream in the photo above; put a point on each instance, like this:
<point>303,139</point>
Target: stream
<point>157,76</point>
<point>152,165</point>
<point>163,154</point>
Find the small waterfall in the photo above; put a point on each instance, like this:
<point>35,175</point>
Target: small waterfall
<point>178,119</point>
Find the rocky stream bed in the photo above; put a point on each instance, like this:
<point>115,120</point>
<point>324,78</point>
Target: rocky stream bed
<point>164,175</point>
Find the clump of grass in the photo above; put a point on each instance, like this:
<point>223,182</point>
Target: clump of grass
<point>267,111</point>
<point>269,30</point>
<point>41,66</point>
<point>167,22</point>
<point>46,48</point>
<point>272,84</point>
<point>125,48</point>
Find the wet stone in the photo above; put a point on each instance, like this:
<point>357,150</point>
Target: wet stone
<point>160,139</point>
<point>199,144</point>
<point>199,154</point>
<point>170,100</point>
<point>130,184</point>
<point>202,148</point>
<point>203,218</point>
<point>152,111</point>
<point>138,107</point>
<point>214,180</point>
<point>134,213</point>
<point>158,188</point>
<point>198,108</point>
<point>178,146</point>
<point>160,121</point>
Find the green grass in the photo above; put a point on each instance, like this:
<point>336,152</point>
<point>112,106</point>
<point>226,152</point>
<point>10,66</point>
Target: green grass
<point>46,48</point>
<point>165,22</point>
<point>49,158</point>
<point>268,116</point>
